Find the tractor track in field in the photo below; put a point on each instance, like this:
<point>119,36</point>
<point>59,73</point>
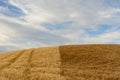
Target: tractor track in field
<point>27,70</point>
<point>30,58</point>
<point>12,61</point>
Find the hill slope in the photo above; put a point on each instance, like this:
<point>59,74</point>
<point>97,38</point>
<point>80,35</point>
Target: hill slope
<point>74,62</point>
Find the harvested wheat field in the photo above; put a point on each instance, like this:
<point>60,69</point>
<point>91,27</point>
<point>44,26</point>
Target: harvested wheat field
<point>73,62</point>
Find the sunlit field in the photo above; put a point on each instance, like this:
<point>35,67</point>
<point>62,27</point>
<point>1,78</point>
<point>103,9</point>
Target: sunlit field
<point>74,62</point>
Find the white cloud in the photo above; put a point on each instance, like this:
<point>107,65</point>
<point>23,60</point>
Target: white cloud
<point>19,36</point>
<point>5,32</point>
<point>108,37</point>
<point>50,11</point>
<point>85,14</point>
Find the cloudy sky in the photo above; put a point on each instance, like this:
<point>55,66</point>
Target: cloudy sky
<point>38,23</point>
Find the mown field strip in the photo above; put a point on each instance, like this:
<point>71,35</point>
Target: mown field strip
<point>10,60</point>
<point>44,69</point>
<point>22,61</point>
<point>46,64</point>
<point>20,69</point>
<point>4,74</point>
<point>40,76</point>
<point>46,57</point>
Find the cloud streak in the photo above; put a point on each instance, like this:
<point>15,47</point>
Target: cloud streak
<point>28,23</point>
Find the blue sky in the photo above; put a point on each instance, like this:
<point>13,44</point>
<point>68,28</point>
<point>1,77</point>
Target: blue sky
<point>40,23</point>
<point>11,10</point>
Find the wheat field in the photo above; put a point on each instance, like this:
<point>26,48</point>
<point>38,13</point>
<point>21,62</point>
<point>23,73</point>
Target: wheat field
<point>72,62</point>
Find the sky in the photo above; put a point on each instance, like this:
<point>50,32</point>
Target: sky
<point>40,23</point>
